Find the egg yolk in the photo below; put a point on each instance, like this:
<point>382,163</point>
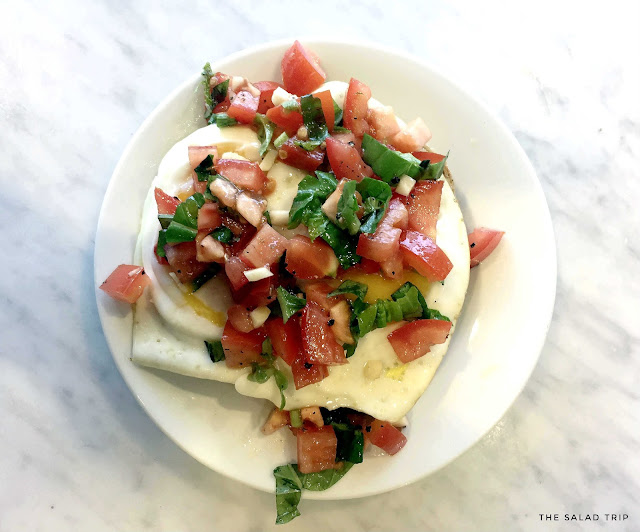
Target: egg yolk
<point>381,288</point>
<point>214,316</point>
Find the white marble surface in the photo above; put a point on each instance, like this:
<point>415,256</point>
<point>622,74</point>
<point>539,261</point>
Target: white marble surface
<point>77,78</point>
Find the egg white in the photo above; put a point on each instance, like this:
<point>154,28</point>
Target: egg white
<point>169,335</point>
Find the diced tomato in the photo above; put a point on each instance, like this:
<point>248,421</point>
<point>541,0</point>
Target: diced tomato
<point>241,349</point>
<point>208,249</point>
<point>310,260</point>
<point>318,292</point>
<point>197,154</point>
<point>234,268</point>
<point>258,293</point>
<point>239,317</point>
<point>243,107</point>
<point>236,227</point>
<point>209,217</point>
<point>482,242</point>
<point>393,268</point>
<point>290,121</point>
<point>383,123</point>
<point>265,248</point>
<point>423,205</point>
<point>183,261</point>
<point>364,266</point>
<point>415,338</point>
<point>224,105</point>
<point>356,107</point>
<point>423,254</point>
<point>301,71</point>
<point>318,342</point>
<point>384,435</point>
<point>413,137</point>
<point>341,324</point>
<point>346,161</point>
<point>276,420</point>
<point>244,174</point>
<point>317,449</point>
<point>300,158</point>
<point>285,338</point>
<point>305,373</point>
<point>166,204</point>
<point>430,156</point>
<point>327,108</point>
<point>126,283</point>
<point>266,89</point>
<point>384,244</point>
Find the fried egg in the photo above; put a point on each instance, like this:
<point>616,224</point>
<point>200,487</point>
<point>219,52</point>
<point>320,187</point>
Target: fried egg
<point>170,324</point>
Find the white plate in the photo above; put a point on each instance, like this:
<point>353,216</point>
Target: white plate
<point>500,332</point>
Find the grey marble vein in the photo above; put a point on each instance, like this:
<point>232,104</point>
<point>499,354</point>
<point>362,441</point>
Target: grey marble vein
<point>77,79</point>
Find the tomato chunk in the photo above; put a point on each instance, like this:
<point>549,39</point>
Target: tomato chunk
<point>305,373</point>
<point>301,71</point>
<point>257,294</point>
<point>197,154</point>
<point>209,217</point>
<point>383,245</point>
<point>318,293</point>
<point>482,242</point>
<point>346,161</point>
<point>183,261</point>
<point>285,338</point>
<point>327,108</point>
<point>265,248</point>
<point>239,318</point>
<point>243,174</point>
<point>290,121</point>
<point>423,205</point>
<point>166,204</point>
<point>234,268</point>
<point>243,107</point>
<point>356,107</point>
<point>318,342</point>
<point>413,137</point>
<point>126,283</point>
<point>430,156</point>
<point>300,158</point>
<point>423,254</point>
<point>241,349</point>
<point>384,435</point>
<point>383,123</point>
<point>415,339</point>
<point>266,89</point>
<point>317,449</point>
<point>310,260</point>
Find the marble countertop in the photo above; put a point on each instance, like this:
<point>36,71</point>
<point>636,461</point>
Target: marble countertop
<point>77,452</point>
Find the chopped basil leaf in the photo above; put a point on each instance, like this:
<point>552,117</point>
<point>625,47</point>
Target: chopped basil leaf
<point>405,296</point>
<point>309,189</point>
<point>387,163</point>
<point>265,132</point>
<point>289,303</point>
<point>375,196</point>
<point>219,92</point>
<point>340,129</point>
<point>350,443</point>
<point>346,217</point>
<point>222,120</point>
<point>315,220</point>
<point>291,105</point>
<point>177,232</point>
<point>351,287</point>
<point>434,171</point>
<point>313,117</point>
<point>184,226</point>
<point>209,273</point>
<point>307,145</point>
<point>216,352</point>
<point>165,220</point>
<point>209,104</point>
<point>349,350</point>
<point>343,246</point>
<point>295,418</point>
<point>262,373</point>
<point>290,483</point>
<point>282,138</point>
<point>338,117</point>
<point>222,234</point>
<point>259,374</point>
<point>282,383</point>
<point>162,241</point>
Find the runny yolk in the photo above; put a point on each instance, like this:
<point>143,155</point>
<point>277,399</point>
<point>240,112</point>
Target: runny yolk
<point>381,287</point>
<point>214,316</point>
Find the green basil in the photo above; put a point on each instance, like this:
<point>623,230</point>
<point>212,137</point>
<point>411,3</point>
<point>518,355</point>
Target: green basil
<point>313,118</point>
<point>375,197</point>
<point>289,303</point>
<point>215,350</point>
<point>265,132</point>
<point>351,287</point>
<point>346,217</point>
<point>222,234</point>
<point>209,273</point>
<point>282,138</point>
<point>338,118</point>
